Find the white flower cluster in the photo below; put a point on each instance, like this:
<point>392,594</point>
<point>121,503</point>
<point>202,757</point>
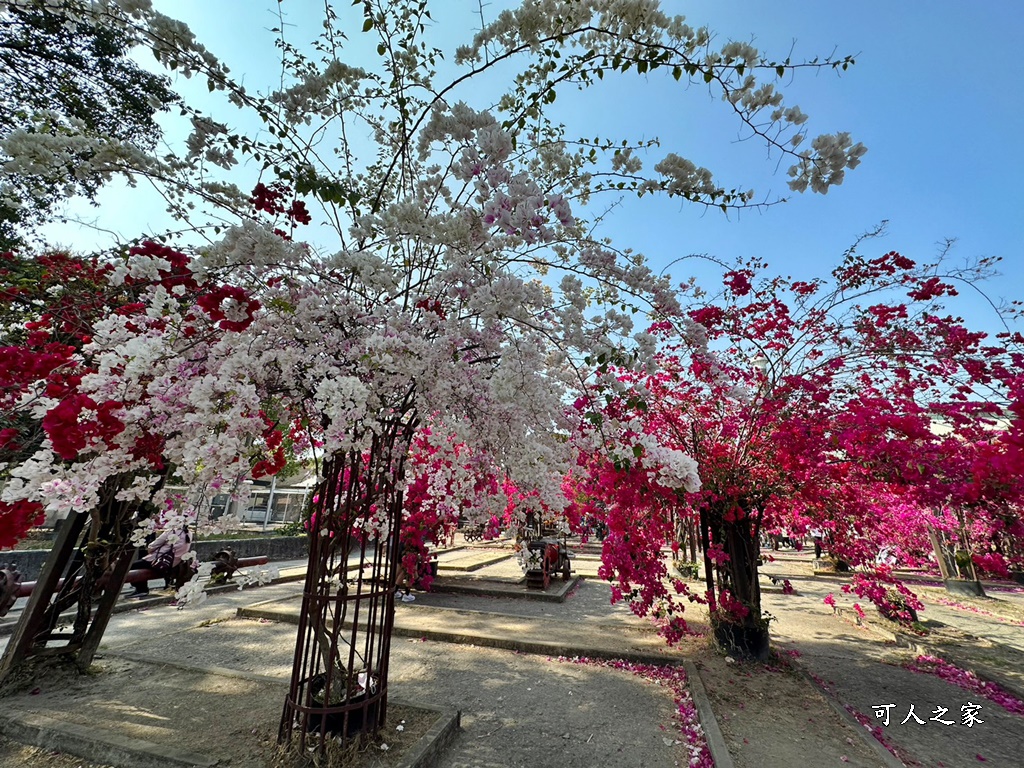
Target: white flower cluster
<point>146,268</point>
<point>251,246</point>
<point>625,443</point>
<point>825,166</point>
<point>686,179</point>
<point>204,131</point>
<point>615,32</point>
<point>676,469</point>
<point>320,93</point>
<point>343,403</point>
<point>58,154</point>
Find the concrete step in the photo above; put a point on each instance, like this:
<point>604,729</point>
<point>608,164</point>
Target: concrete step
<point>549,637</point>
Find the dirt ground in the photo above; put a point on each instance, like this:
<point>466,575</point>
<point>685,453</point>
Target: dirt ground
<point>769,716</point>
<point>517,708</point>
<point>209,713</point>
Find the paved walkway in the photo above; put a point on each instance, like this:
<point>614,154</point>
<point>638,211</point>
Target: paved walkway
<point>557,633</point>
<point>533,710</point>
<point>283,570</point>
<point>863,670</point>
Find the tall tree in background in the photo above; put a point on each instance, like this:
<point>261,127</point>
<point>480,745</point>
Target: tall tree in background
<point>68,74</point>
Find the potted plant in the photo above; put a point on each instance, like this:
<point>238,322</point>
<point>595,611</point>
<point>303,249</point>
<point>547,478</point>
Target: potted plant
<point>340,695</point>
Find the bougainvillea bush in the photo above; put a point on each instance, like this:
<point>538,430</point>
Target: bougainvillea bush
<point>857,406</point>
<point>447,483</point>
<point>71,437</point>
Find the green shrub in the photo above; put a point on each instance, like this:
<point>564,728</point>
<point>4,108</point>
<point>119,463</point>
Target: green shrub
<point>294,528</point>
<point>686,569</point>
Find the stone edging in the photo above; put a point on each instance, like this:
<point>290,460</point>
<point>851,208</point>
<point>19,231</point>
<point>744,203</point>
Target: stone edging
<point>97,745</point>
<point>706,715</point>
<point>512,589</point>
<point>503,642</point>
<point>426,752</point>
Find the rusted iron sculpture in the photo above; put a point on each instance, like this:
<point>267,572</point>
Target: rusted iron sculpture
<point>225,563</point>
<point>84,572</point>
<point>339,680</point>
<point>10,586</point>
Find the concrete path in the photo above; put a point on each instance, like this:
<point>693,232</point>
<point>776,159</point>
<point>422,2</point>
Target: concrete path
<point>1005,632</point>
<point>283,570</point>
<point>545,635</point>
<point>863,670</point>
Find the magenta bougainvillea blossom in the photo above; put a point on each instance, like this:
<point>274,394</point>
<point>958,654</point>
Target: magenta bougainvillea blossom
<point>848,406</point>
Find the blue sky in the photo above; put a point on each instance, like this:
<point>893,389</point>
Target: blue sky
<point>935,95</point>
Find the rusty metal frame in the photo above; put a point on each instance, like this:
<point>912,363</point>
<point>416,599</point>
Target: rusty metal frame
<point>339,681</point>
<point>65,583</point>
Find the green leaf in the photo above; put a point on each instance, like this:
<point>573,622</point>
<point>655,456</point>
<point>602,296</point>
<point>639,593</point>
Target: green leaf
<point>367,25</point>
<point>677,72</point>
<point>382,49</point>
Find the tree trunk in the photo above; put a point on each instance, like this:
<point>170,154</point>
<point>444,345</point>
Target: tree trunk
<point>746,636</point>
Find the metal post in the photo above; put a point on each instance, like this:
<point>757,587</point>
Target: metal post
<point>270,502</point>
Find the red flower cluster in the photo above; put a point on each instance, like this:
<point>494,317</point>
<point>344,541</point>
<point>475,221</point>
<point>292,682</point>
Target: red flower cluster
<point>16,518</point>
<point>218,303</point>
<point>179,272</point>
<point>77,422</point>
<point>273,200</point>
<point>273,439</point>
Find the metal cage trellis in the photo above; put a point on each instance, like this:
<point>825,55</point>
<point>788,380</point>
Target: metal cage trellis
<point>339,679</point>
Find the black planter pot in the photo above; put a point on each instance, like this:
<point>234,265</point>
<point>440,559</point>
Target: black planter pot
<point>361,716</point>
<point>747,643</point>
